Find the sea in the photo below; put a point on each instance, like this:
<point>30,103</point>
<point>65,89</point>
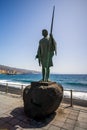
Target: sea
<point>75,82</point>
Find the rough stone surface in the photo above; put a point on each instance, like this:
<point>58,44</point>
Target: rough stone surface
<point>42,99</point>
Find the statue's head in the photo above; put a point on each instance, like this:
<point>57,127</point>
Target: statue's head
<point>44,32</point>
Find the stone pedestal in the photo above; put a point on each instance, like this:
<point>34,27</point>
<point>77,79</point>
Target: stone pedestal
<point>42,98</point>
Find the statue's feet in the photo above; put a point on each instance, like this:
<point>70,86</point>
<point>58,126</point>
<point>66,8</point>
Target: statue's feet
<point>41,80</point>
<point>47,80</point>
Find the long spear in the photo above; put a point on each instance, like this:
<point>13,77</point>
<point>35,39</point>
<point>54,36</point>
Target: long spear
<point>53,45</point>
<point>51,29</point>
<point>49,54</point>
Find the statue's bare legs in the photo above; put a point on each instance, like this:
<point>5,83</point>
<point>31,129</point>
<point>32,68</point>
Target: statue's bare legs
<point>45,73</point>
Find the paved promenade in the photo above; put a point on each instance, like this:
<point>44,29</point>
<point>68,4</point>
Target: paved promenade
<point>12,116</point>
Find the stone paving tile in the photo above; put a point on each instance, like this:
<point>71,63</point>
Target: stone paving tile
<point>72,117</point>
<point>82,119</point>
<point>53,128</point>
<point>33,129</point>
<point>46,127</point>
<point>6,126</point>
<point>68,126</point>
<point>71,122</point>
<point>74,113</point>
<point>81,124</point>
<point>13,121</point>
<point>78,128</point>
<point>83,115</point>
<point>61,117</point>
<point>2,111</point>
<point>1,122</point>
<point>58,123</point>
<point>63,129</point>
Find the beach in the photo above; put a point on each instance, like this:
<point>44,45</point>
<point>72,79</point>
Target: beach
<point>19,91</point>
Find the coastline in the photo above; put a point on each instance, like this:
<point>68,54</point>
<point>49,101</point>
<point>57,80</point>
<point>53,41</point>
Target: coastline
<point>18,91</point>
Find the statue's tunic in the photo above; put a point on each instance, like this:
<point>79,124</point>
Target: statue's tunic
<point>46,51</point>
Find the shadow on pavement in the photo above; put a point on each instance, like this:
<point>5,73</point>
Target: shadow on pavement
<point>17,119</point>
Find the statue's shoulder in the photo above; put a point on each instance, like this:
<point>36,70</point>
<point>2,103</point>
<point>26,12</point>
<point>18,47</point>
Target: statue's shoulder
<point>44,40</point>
<point>41,40</point>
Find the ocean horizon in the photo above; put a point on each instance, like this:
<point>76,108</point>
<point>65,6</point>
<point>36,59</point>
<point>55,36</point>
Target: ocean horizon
<point>75,82</point>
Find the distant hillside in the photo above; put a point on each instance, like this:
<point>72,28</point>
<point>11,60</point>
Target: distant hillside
<point>11,70</point>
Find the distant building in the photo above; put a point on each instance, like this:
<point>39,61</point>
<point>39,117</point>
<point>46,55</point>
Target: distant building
<point>3,71</point>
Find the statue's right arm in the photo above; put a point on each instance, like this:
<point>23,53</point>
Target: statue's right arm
<point>38,51</point>
<point>36,56</point>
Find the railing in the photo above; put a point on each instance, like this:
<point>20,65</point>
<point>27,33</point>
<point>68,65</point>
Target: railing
<point>72,99</point>
<point>8,86</point>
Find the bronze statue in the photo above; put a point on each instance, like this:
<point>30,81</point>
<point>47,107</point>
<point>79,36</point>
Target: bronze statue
<point>46,49</point>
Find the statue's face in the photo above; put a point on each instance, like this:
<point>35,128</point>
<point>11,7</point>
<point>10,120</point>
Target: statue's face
<point>44,33</point>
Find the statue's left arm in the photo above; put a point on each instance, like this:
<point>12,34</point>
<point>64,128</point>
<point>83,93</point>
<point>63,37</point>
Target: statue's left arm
<point>54,44</point>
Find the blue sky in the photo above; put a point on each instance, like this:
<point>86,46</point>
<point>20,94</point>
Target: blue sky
<point>21,23</point>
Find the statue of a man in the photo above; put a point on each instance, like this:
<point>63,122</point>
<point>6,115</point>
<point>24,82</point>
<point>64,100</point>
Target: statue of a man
<point>46,49</point>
